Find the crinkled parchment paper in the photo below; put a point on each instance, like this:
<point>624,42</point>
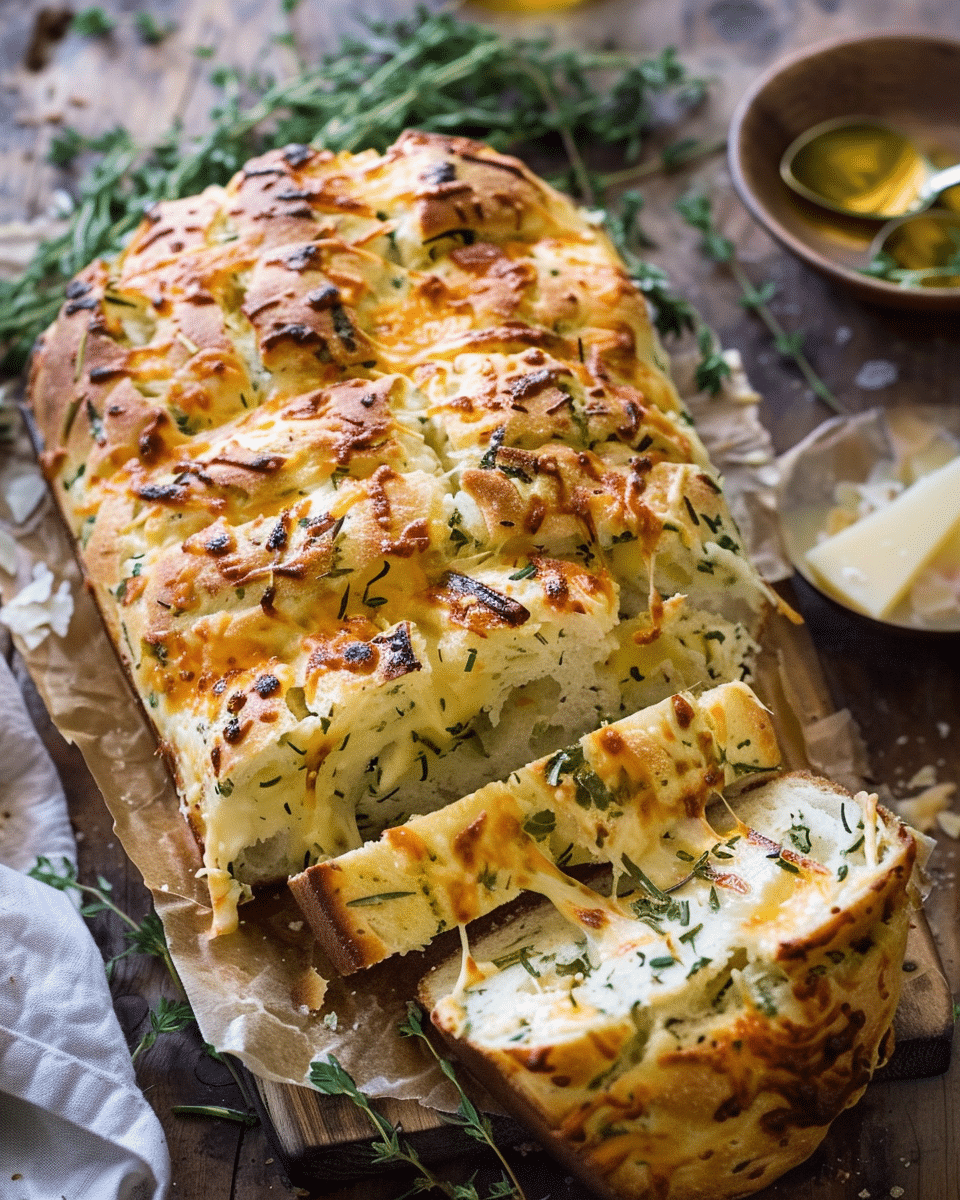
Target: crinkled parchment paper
<point>259,993</point>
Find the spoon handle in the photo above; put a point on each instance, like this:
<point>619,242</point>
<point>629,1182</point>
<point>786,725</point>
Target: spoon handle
<point>940,181</point>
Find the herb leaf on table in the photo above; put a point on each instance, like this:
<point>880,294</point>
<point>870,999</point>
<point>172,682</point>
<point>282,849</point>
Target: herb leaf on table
<point>332,1079</point>
<point>697,210</point>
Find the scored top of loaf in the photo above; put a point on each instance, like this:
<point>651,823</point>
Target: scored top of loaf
<point>379,480</point>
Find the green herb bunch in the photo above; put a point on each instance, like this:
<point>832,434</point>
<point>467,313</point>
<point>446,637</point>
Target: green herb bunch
<point>884,266</point>
<point>433,72</point>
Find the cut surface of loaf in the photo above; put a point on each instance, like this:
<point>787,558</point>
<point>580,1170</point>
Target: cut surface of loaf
<point>702,1046</point>
<point>382,489</point>
<point>606,798</point>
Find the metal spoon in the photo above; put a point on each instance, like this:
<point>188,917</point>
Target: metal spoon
<point>861,167</point>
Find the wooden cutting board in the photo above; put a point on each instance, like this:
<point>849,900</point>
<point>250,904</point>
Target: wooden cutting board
<point>324,1139</point>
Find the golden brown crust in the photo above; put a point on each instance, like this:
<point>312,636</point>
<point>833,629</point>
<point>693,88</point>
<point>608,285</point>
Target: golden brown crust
<point>353,401</point>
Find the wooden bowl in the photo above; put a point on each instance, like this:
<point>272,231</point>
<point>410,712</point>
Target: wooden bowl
<point>908,80</point>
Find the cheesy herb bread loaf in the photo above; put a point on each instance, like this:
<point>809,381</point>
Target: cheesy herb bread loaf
<point>382,489</point>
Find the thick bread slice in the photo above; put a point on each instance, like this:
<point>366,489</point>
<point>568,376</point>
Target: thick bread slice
<point>606,798</point>
<point>708,1054</point>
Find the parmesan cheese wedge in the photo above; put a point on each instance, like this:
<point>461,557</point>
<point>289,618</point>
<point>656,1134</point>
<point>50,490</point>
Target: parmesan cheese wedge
<point>871,564</point>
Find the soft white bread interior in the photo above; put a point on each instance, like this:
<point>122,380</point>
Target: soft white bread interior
<point>606,798</point>
<point>700,1046</point>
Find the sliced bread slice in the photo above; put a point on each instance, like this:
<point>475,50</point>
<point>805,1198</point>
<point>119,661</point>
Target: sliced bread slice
<point>607,798</point>
<point>708,1053</point>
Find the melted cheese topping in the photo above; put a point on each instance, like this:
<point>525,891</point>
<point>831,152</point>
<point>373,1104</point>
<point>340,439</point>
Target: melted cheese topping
<point>607,798</point>
<point>380,481</point>
<point>754,894</point>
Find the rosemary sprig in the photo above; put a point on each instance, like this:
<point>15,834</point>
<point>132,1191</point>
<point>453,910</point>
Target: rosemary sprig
<point>431,72</point>
<point>330,1078</point>
<point>697,210</point>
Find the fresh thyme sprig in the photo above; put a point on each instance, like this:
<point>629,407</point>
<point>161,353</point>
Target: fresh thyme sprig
<point>432,72</point>
<point>144,937</point>
<point>697,210</point>
<point>330,1078</point>
<point>473,1123</point>
<point>92,22</point>
<point>790,345</point>
<point>170,1016</point>
<point>884,266</point>
<point>150,30</point>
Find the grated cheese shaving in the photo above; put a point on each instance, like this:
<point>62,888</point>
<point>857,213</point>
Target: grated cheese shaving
<point>949,822</point>
<point>23,493</point>
<point>923,810</point>
<point>37,609</point>
<point>8,553</point>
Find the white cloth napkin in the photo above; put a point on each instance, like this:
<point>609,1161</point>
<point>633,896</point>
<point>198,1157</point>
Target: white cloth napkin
<point>73,1122</point>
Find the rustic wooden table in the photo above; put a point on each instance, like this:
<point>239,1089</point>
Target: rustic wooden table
<point>904,1138</point>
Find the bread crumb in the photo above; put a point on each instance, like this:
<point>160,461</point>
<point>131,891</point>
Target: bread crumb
<point>943,728</point>
<point>309,990</point>
<point>864,1195</point>
<point>896,1191</point>
<point>296,926</point>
